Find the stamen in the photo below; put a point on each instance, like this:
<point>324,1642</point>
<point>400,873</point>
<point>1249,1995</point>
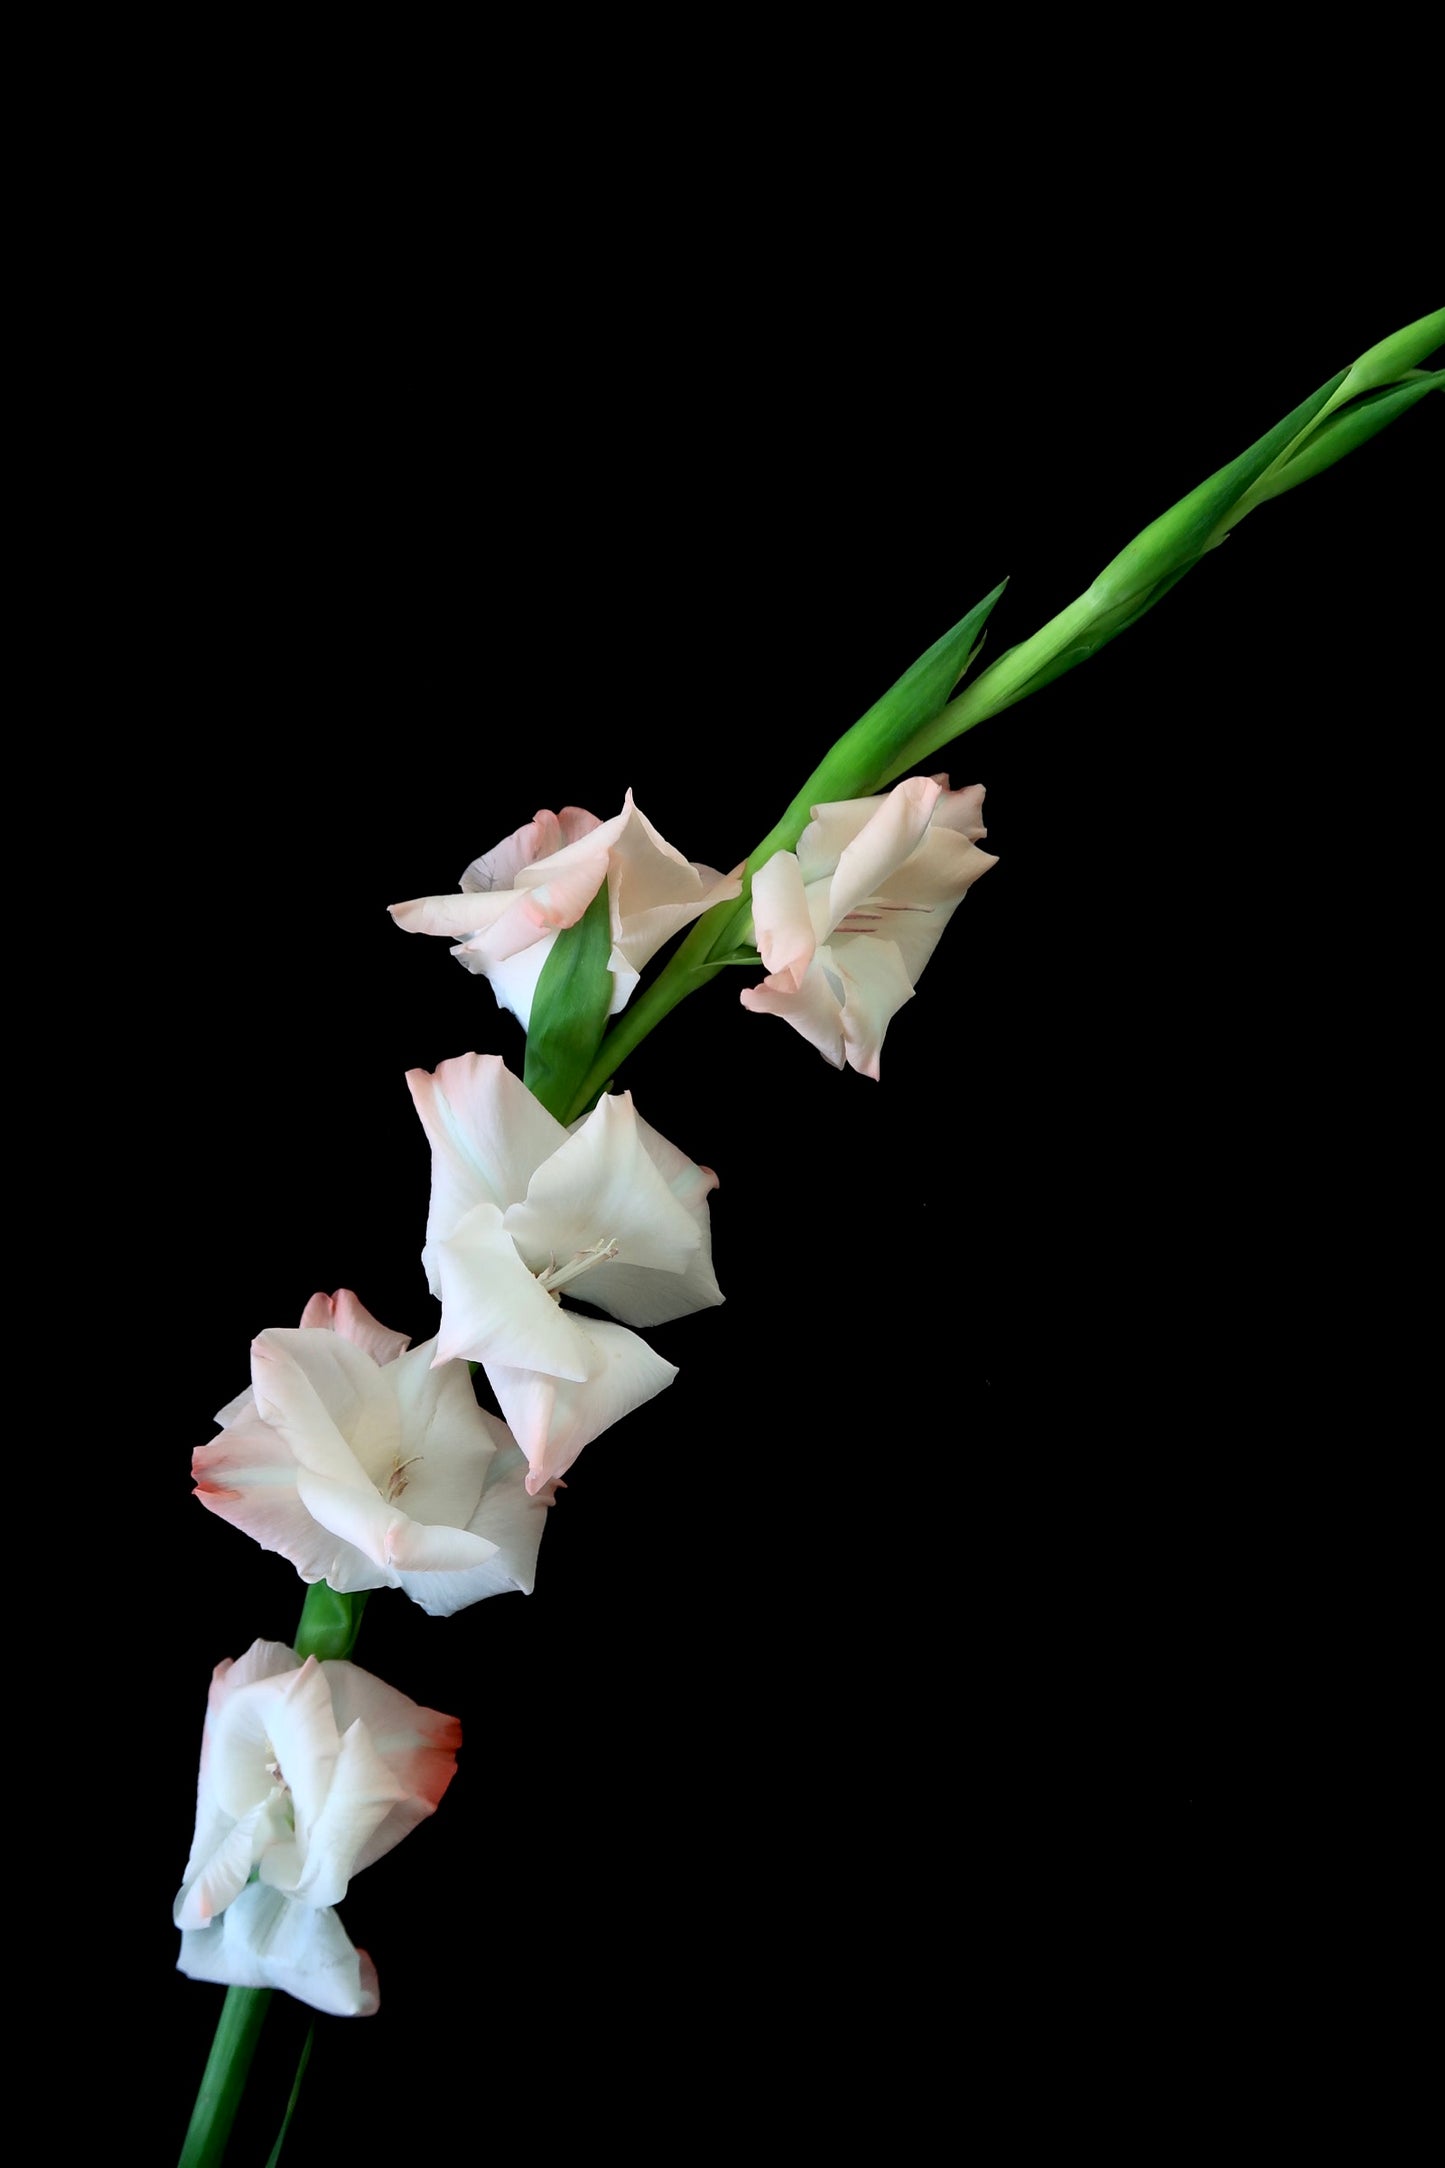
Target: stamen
<point>557,1276</point>
<point>396,1481</point>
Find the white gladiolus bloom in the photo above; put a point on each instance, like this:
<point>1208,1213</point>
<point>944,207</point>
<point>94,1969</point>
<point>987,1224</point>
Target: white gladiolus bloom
<point>523,1210</point>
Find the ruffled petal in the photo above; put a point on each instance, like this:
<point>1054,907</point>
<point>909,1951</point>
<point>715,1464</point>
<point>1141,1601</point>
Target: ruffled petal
<point>653,892</point>
<point>417,1746</point>
<point>212,1883</point>
<point>446,1439</point>
<point>922,897</point>
<point>487,1133</point>
<point>876,987</point>
<point>813,1008</point>
<point>492,1307</point>
<point>539,838</point>
<point>455,918</point>
<point>293,1717</point>
<point>342,1313</point>
<point>782,925</point>
<point>384,1536</point>
<point>831,828</point>
<point>554,1418</point>
<point>364,1790</point>
<point>266,1939</point>
<point>550,896</point>
<point>508,1517</point>
<point>329,1402</point>
<point>602,1185</point>
<point>514,979</point>
<point>961,810</point>
<point>880,848</point>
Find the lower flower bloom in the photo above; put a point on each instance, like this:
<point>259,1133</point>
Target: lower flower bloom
<point>309,1772</point>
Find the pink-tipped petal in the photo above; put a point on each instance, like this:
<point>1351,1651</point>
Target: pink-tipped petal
<point>880,848</point>
<point>487,1133</point>
<point>782,924</point>
<point>417,1746</point>
<point>554,1418</point>
<point>343,1313</point>
<point>603,1185</point>
<point>539,838</point>
<point>812,1008</point>
<point>876,988</point>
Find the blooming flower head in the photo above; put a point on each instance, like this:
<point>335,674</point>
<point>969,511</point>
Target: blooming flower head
<point>309,1772</point>
<point>845,926</point>
<point>523,1209</point>
<point>369,1465</point>
<point>517,898</point>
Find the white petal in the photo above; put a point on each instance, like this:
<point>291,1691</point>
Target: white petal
<point>493,1308</point>
<point>877,986</point>
<point>386,1537</point>
<point>961,810</point>
<point>216,1880</point>
<point>548,897</point>
<point>417,1745</point>
<point>553,1418</point>
<point>812,1008</point>
<point>456,918</point>
<point>446,1440</point>
<point>653,891</point>
<point>514,978</point>
<point>487,1135</point>
<point>782,925</point>
<point>603,1185</point>
<point>294,1718</point>
<point>831,828</point>
<point>267,1940</point>
<point>879,849</point>
<point>328,1401</point>
<point>363,1791</point>
<point>537,838</point>
<point>343,1313</point>
<point>509,1517</point>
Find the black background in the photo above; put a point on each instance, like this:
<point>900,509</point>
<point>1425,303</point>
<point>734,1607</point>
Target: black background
<point>965,1608</point>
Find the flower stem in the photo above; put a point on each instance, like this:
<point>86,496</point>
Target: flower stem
<point>242,2016</point>
<point>910,724</point>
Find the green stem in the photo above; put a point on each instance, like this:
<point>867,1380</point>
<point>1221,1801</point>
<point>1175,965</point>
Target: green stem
<point>687,968</point>
<point>242,2016</point>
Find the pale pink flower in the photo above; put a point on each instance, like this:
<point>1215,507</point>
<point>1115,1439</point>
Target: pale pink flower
<point>309,1772</point>
<point>521,1209</point>
<point>370,1465</point>
<point>517,898</point>
<point>845,926</point>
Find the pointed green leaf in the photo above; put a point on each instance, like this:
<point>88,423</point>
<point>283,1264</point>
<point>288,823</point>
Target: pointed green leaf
<point>1395,357</point>
<point>1346,430</point>
<point>878,745</point>
<point>1100,632</point>
<point>1182,534</point>
<point>274,2157</point>
<point>569,1008</point>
